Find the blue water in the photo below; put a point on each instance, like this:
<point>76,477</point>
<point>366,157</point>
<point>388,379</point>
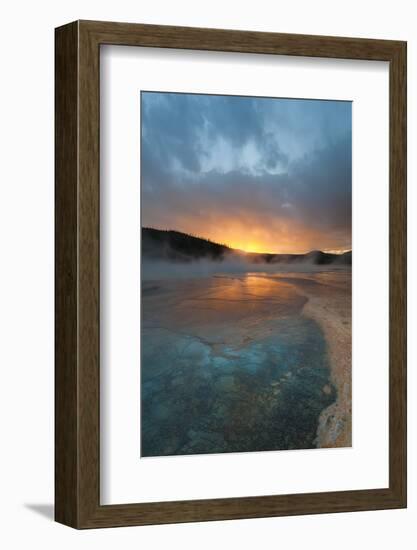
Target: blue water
<point>212,385</point>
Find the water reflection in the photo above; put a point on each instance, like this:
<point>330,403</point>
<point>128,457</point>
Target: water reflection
<point>229,364</point>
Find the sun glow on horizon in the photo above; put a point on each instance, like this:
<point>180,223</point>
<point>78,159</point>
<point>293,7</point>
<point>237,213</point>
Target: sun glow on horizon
<point>288,239</point>
<point>260,249</point>
<point>259,175</point>
<point>259,241</point>
<point>250,247</point>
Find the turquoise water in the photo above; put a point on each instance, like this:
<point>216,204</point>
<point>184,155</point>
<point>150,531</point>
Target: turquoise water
<point>229,365</point>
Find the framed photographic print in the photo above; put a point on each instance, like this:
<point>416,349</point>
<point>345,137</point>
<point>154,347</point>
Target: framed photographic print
<point>230,274</point>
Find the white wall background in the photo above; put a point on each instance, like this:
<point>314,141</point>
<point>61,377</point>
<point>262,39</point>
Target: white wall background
<point>26,273</point>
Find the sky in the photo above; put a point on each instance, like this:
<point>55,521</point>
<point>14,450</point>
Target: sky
<point>258,174</point>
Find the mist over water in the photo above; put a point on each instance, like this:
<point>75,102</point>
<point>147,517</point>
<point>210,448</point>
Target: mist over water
<point>160,269</point>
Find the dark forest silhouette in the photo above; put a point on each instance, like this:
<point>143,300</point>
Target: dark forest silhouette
<point>171,245</point>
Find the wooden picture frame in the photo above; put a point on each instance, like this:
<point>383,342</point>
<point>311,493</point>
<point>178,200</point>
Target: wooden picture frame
<point>77,382</point>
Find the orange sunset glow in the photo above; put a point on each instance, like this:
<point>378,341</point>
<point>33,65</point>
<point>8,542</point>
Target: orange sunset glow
<point>256,174</point>
<point>281,238</point>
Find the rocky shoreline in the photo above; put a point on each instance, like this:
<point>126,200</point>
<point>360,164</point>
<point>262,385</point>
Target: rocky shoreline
<point>329,304</point>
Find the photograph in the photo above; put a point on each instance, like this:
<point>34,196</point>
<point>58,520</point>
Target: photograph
<point>246,273</point>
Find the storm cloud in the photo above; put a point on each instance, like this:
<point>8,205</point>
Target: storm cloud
<point>255,173</point>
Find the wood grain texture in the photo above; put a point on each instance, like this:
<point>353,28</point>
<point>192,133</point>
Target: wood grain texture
<point>398,273</point>
<point>78,284</point>
<point>66,238</point>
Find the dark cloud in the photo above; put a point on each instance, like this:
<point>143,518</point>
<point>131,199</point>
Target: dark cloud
<point>278,170</point>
